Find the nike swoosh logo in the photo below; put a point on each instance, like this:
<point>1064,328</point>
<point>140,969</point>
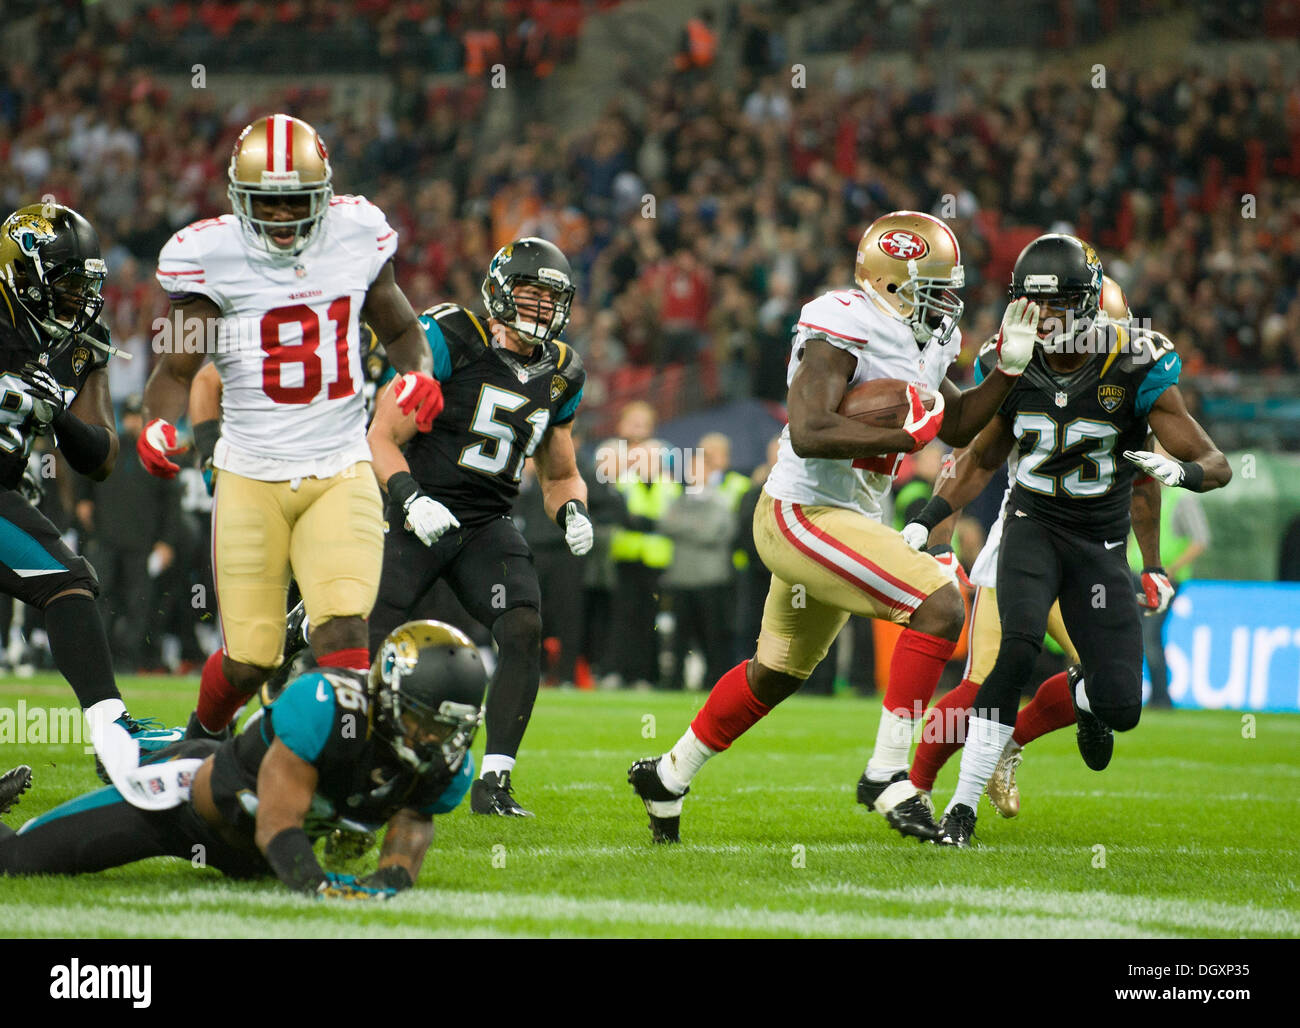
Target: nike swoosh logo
<point>1111,546</point>
<point>845,302</point>
<point>1169,364</point>
<point>179,238</point>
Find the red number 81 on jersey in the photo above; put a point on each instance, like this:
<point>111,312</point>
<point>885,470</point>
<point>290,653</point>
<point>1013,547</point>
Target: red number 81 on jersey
<point>306,352</point>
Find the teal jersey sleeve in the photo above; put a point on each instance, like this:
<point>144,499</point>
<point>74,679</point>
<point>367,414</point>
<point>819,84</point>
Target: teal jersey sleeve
<point>438,347</point>
<point>979,372</point>
<point>570,408</point>
<point>451,796</point>
<point>1163,374</point>
<point>303,715</point>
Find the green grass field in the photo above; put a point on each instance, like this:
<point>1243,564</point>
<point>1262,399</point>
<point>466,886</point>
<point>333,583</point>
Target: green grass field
<point>1197,823</point>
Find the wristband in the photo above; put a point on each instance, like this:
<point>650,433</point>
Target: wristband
<point>402,487</point>
<point>206,434</point>
<point>935,510</point>
<point>1155,569</point>
<point>394,876</point>
<point>1193,476</point>
<point>291,858</point>
<point>85,446</point>
<point>567,509</point>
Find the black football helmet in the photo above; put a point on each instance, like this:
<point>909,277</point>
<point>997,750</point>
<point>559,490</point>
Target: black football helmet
<point>51,264</point>
<point>530,261</point>
<point>1063,275</point>
<point>426,694</point>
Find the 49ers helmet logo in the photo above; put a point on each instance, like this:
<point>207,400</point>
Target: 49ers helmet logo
<point>904,245</point>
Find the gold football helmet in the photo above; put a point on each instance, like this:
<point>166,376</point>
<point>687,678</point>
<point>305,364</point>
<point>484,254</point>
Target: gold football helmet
<point>1113,301</point>
<point>911,263</point>
<point>279,158</point>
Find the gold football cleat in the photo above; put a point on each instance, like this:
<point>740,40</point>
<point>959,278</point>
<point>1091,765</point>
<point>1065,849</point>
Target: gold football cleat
<point>1003,792</point>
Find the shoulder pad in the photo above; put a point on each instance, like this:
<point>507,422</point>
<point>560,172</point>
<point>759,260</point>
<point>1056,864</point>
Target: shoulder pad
<point>1138,350</point>
<point>568,362</point>
<point>361,227</point>
<point>190,261</point>
<point>466,333</point>
<point>832,316</point>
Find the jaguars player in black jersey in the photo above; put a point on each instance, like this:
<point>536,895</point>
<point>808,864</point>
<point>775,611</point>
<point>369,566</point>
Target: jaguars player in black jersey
<point>1078,418</point>
<point>336,753</point>
<point>54,380</point>
<point>511,389</point>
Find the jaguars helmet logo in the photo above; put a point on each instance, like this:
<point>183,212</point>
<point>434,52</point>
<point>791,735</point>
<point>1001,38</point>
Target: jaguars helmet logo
<point>30,231</point>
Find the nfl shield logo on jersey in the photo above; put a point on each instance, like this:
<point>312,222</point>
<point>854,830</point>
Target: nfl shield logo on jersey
<point>1110,397</point>
<point>1062,398</point>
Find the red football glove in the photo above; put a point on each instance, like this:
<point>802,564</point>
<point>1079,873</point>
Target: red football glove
<point>921,424</point>
<point>156,443</point>
<point>949,562</point>
<point>1158,589</point>
<point>421,393</point>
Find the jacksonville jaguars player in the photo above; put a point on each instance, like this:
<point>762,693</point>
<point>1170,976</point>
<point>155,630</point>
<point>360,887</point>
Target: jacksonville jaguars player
<point>336,752</point>
<point>511,390</point>
<point>54,380</point>
<point>1077,418</point>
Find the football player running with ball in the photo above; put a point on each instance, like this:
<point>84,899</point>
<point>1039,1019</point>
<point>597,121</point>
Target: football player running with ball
<point>279,288</point>
<point>54,381</point>
<point>1075,419</point>
<point>818,524</point>
<point>512,389</point>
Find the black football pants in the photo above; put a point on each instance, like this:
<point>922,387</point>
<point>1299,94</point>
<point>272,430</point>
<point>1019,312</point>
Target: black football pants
<point>1038,564</point>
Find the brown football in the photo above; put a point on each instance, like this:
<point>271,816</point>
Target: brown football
<point>881,402</point>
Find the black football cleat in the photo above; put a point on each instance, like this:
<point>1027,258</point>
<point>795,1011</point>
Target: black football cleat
<point>12,785</point>
<point>1095,738</point>
<point>643,776</point>
<point>195,730</point>
<point>869,791</point>
<point>491,794</point>
<point>957,827</point>
<point>908,810</point>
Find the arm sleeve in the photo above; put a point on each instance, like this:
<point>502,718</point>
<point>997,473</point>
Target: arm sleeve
<point>303,714</point>
<point>1163,374</point>
<point>181,268</point>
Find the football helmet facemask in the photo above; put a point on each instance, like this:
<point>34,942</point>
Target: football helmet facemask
<point>280,160</point>
<point>51,264</point>
<point>535,262</point>
<point>1063,275</point>
<point>426,692</point>
<point>911,263</point>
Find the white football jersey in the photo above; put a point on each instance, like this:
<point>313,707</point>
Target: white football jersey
<point>885,348</point>
<point>288,346</point>
<point>984,572</point>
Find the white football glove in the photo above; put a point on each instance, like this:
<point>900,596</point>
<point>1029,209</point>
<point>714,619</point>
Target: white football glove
<point>1157,590</point>
<point>428,518</point>
<point>1170,472</point>
<point>1018,337</point>
<point>579,534</point>
<point>916,535</point>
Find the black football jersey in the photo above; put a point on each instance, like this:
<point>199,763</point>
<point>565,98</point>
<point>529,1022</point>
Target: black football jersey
<point>322,717</point>
<point>1072,430</point>
<point>19,343</point>
<point>497,407</point>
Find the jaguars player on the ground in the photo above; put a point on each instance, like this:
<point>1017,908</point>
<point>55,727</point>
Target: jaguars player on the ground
<point>511,390</point>
<point>54,379</point>
<point>336,750</point>
<point>1076,417</point>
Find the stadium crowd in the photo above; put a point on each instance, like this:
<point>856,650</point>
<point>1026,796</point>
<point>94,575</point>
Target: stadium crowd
<point>700,216</point>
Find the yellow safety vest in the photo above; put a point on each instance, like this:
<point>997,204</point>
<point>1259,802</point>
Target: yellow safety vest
<point>647,501</point>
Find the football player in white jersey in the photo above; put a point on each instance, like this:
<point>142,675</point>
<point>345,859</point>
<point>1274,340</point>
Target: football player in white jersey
<point>276,292</point>
<point>1050,709</point>
<point>818,526</point>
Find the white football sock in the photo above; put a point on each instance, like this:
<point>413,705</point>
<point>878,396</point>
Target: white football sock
<point>1081,696</point>
<point>985,741</point>
<point>118,752</point>
<point>682,763</point>
<point>893,744</point>
<point>495,764</point>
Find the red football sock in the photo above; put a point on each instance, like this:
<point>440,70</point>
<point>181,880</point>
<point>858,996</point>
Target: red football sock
<point>1049,710</point>
<point>218,699</point>
<point>732,709</point>
<point>945,725</point>
<point>357,658</point>
<point>914,671</point>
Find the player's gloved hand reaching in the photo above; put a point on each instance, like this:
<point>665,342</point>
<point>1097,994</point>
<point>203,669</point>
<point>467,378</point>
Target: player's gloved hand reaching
<point>428,518</point>
<point>921,424</point>
<point>1158,590</point>
<point>46,395</point>
<point>156,443</point>
<point>1018,336</point>
<point>349,887</point>
<point>579,533</point>
<point>421,393</point>
<point>1187,474</point>
<point>916,535</point>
